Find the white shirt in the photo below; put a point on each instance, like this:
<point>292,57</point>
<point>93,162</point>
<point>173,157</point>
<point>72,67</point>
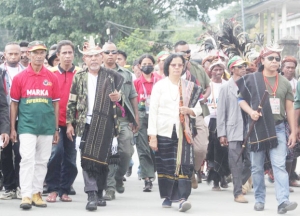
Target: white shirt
<point>92,85</point>
<point>293,83</point>
<point>164,109</point>
<point>212,100</point>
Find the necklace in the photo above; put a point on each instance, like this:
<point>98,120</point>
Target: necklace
<point>170,90</point>
<point>273,89</point>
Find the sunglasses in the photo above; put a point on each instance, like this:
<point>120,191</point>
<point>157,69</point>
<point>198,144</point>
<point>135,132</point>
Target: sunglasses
<point>271,58</point>
<point>110,51</point>
<point>241,66</point>
<point>186,52</point>
<point>178,65</point>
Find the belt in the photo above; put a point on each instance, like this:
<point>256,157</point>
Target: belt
<point>279,122</point>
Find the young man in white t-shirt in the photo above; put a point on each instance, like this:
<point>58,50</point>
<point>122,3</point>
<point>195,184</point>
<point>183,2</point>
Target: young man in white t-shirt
<point>10,165</point>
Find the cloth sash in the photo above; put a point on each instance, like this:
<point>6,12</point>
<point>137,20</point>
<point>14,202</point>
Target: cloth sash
<point>263,136</point>
<point>190,93</point>
<point>97,149</point>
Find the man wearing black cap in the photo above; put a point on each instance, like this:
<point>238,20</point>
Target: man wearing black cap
<point>35,96</point>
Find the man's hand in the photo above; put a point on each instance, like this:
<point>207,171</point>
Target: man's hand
<point>134,129</point>
<point>70,132</point>
<point>255,115</point>
<point>55,138</point>
<point>115,96</point>
<point>5,139</point>
<point>292,141</point>
<point>13,136</point>
<point>153,143</point>
<point>223,141</point>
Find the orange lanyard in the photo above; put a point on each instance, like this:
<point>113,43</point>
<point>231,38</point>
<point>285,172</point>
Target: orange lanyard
<point>274,89</point>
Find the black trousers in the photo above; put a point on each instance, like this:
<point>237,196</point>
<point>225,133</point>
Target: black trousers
<point>10,161</point>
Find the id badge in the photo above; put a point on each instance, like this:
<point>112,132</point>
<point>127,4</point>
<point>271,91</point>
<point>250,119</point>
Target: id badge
<point>275,105</point>
<point>147,104</point>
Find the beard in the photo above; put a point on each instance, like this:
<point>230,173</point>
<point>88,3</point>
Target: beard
<point>12,64</point>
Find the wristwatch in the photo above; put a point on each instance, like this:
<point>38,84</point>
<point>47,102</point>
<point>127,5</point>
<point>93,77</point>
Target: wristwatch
<point>57,129</point>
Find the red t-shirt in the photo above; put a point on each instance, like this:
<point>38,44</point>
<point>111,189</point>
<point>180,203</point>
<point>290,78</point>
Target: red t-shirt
<point>35,93</point>
<point>65,79</point>
<point>143,87</point>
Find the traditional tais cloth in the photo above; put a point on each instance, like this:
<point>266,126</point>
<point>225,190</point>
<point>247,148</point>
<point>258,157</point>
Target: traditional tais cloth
<point>97,149</point>
<point>252,88</point>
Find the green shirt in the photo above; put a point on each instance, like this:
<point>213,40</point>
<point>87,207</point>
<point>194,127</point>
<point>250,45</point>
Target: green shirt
<point>200,74</point>
<point>284,92</point>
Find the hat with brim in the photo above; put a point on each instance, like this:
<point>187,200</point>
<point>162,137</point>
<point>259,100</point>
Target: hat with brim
<point>36,45</point>
<point>236,61</point>
<point>216,62</point>
<point>51,58</point>
<point>162,55</point>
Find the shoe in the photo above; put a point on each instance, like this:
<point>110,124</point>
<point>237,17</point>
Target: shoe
<point>259,206</point>
<point>216,188</point>
<point>240,199</point>
<point>294,184</point>
<point>18,193</point>
<point>101,200</point>
<point>291,190</point>
<point>148,186</point>
<point>109,195</point>
<point>194,182</point>
<point>26,203</point>
<point>8,195</point>
<point>92,201</point>
<point>167,203</point>
<point>286,206</point>
<point>72,191</point>
<point>38,201</point>
<point>120,187</point>
<point>184,206</point>
<point>129,172</point>
<point>124,179</point>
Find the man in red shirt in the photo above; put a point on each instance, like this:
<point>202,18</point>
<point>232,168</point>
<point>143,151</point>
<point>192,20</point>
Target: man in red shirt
<point>62,169</point>
<point>35,100</point>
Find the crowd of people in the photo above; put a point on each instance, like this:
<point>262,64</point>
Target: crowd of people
<point>235,117</point>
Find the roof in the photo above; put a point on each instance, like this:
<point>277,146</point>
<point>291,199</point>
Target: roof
<point>292,6</point>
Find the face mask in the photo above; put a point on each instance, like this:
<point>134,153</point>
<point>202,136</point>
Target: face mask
<point>147,69</point>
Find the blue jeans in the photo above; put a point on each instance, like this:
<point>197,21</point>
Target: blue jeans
<point>277,157</point>
<point>62,169</point>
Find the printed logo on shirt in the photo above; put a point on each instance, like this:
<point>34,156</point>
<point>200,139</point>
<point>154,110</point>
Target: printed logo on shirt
<point>37,92</point>
<point>37,100</point>
<point>47,83</point>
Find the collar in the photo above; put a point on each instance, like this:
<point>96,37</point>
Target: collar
<point>142,78</point>
<point>31,72</point>
<point>72,69</point>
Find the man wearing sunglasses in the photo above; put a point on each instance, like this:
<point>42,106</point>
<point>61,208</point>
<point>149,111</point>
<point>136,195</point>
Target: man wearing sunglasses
<point>268,135</point>
<point>201,140</point>
<point>230,127</point>
<point>127,113</point>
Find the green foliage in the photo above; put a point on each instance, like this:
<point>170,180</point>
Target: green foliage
<point>134,45</point>
<point>54,20</point>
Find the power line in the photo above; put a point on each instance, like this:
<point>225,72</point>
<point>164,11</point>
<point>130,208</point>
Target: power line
<point>149,30</point>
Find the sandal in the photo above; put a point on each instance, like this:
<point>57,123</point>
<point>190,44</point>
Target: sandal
<point>51,197</point>
<point>65,198</point>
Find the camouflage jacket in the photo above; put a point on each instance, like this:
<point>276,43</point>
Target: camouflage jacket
<point>78,102</point>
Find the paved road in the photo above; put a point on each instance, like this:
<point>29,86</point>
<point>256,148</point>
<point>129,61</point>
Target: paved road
<point>134,202</point>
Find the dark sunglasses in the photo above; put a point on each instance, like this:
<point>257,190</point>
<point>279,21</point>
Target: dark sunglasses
<point>241,66</point>
<point>271,58</point>
<point>186,52</point>
<point>110,51</point>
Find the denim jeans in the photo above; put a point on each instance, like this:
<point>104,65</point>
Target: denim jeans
<point>277,157</point>
<point>62,169</point>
